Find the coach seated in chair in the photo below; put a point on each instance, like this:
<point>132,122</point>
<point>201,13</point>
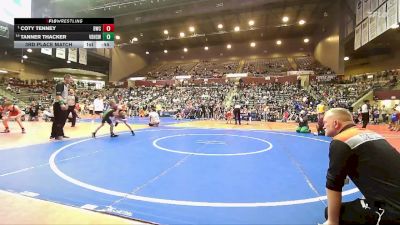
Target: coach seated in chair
<point>303,123</point>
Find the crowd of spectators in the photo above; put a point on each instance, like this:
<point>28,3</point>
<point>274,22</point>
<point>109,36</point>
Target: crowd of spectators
<point>217,69</point>
<point>272,102</point>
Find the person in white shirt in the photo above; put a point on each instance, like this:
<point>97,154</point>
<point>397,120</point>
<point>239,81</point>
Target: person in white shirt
<point>154,118</point>
<point>266,112</point>
<point>71,102</point>
<point>98,105</point>
<point>365,113</point>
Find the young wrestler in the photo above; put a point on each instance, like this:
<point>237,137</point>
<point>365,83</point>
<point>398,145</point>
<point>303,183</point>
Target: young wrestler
<point>14,113</point>
<point>121,117</point>
<point>1,111</point>
<point>113,111</point>
<point>228,116</point>
<point>320,126</point>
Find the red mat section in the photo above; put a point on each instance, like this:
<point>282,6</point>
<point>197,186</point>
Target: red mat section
<point>392,136</point>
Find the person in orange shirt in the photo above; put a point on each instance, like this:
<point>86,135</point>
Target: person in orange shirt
<point>141,112</point>
<point>14,113</point>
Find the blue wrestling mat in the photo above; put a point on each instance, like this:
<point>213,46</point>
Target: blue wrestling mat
<point>181,175</point>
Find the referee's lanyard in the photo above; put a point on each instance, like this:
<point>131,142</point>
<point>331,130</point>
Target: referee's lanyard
<point>380,211</point>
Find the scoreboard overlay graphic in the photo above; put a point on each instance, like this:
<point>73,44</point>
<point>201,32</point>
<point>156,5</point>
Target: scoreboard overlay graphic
<point>64,33</point>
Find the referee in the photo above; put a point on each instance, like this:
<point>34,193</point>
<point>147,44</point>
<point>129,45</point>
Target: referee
<point>236,113</point>
<point>60,109</point>
<point>365,110</point>
<point>371,163</point>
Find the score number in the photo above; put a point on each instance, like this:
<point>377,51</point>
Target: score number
<point>108,27</point>
<point>108,36</point>
<point>108,32</point>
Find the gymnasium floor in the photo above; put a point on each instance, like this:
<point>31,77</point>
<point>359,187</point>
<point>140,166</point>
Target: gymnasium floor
<point>183,172</point>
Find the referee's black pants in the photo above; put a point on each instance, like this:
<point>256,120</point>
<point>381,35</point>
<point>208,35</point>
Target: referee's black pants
<point>60,117</point>
<point>236,114</point>
<point>364,212</point>
<point>365,119</point>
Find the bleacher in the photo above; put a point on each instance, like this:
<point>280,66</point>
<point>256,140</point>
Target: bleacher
<point>309,63</point>
<point>266,66</point>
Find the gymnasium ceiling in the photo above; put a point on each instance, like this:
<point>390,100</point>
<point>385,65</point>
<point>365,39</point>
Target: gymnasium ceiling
<point>146,20</point>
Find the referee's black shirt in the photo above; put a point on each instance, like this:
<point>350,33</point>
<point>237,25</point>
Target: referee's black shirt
<point>371,163</point>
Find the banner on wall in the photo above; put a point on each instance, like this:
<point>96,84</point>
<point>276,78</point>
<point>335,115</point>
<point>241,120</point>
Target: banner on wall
<point>47,51</point>
<point>4,31</point>
<point>359,11</point>
<point>60,53</point>
<point>364,32</point>
<point>382,25</point>
<point>83,56</point>
<point>374,5</point>
<point>301,72</point>
<point>326,78</point>
<point>357,37</point>
<point>372,26</point>
<point>366,8</point>
<point>72,54</point>
<point>392,11</point>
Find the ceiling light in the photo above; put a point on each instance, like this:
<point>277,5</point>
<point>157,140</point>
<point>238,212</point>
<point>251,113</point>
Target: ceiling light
<point>165,51</point>
<point>237,28</point>
<point>302,22</point>
<point>181,34</point>
<point>252,44</point>
<point>278,42</point>
<point>285,19</point>
<point>306,40</point>
<point>206,48</point>
<point>191,29</point>
<point>147,52</point>
<point>134,39</point>
<point>3,71</point>
<point>68,61</point>
<point>165,31</point>
<point>185,49</point>
<point>229,46</point>
<point>25,56</point>
<point>117,37</point>
<point>346,58</point>
<point>29,50</point>
<point>251,22</point>
<point>220,26</point>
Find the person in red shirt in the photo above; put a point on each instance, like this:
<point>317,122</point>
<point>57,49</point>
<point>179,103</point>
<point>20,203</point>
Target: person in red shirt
<point>14,113</point>
<point>1,111</point>
<point>228,116</point>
